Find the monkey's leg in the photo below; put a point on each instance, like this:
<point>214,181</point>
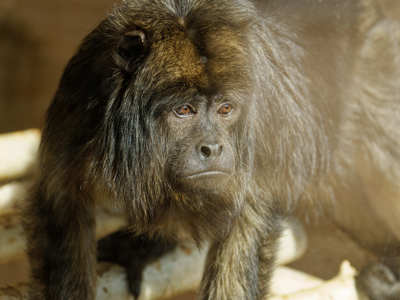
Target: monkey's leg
<point>61,247</point>
<point>380,281</point>
<point>133,253</point>
<point>267,261</point>
<point>234,268</point>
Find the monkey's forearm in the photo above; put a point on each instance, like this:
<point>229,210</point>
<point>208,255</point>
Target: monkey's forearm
<point>62,250</point>
<point>239,267</point>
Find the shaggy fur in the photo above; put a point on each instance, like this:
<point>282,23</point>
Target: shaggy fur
<point>315,90</point>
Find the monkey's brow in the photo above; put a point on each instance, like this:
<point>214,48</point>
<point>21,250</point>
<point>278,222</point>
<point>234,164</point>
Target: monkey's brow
<point>175,87</point>
<point>171,97</point>
<point>179,88</point>
<point>219,98</point>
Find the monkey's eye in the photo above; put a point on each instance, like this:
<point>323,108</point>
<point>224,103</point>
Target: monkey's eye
<point>184,111</point>
<point>225,109</point>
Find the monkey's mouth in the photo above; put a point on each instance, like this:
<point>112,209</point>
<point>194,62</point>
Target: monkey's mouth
<point>207,174</point>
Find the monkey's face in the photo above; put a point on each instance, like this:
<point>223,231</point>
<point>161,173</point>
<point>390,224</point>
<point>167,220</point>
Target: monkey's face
<point>202,155</point>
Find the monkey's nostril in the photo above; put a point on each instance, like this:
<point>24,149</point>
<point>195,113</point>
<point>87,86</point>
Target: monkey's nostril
<point>219,150</point>
<point>205,151</point>
<point>211,150</point>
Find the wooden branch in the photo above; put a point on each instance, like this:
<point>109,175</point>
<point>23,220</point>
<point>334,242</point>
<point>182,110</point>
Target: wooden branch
<point>12,197</point>
<point>18,292</point>
<point>18,153</point>
<point>172,275</point>
<point>293,241</point>
<point>13,242</point>
<point>181,270</point>
<point>339,288</point>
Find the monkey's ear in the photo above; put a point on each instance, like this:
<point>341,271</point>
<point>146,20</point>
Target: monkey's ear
<point>131,49</point>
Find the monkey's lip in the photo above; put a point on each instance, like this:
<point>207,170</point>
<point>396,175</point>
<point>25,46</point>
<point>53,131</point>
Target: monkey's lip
<point>208,173</point>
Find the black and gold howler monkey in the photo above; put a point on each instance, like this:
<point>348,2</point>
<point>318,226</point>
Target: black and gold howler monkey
<point>213,119</point>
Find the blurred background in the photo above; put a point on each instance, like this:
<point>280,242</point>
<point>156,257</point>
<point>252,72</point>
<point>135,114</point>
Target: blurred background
<point>36,40</point>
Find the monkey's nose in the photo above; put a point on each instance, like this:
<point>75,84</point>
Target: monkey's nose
<point>207,151</point>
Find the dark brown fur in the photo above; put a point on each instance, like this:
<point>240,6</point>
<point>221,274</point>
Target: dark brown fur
<point>315,91</point>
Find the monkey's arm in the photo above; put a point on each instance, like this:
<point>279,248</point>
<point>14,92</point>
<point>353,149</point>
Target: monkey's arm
<point>239,266</point>
<point>62,247</point>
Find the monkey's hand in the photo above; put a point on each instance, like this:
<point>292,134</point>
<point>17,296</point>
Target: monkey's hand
<point>133,253</point>
<point>379,282</point>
